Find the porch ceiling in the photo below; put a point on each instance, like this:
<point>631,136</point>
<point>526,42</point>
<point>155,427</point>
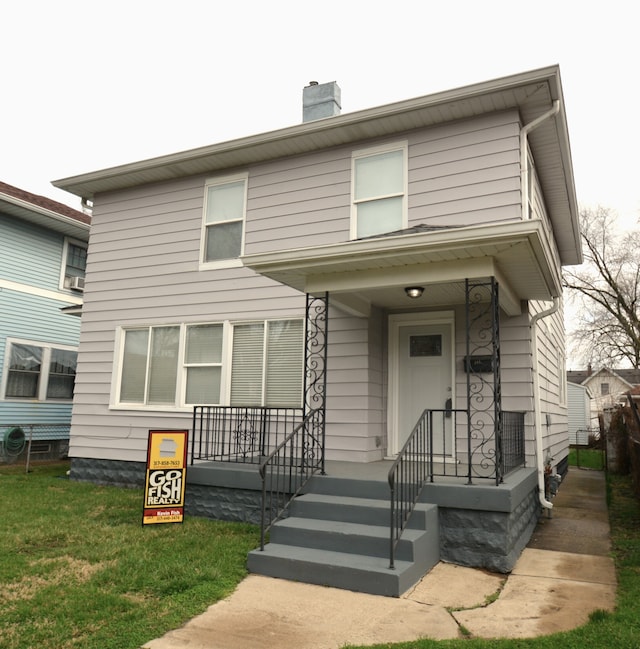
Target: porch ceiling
<point>373,272</point>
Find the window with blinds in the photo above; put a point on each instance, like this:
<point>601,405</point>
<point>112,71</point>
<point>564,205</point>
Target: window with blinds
<point>267,364</point>
<point>184,365</point>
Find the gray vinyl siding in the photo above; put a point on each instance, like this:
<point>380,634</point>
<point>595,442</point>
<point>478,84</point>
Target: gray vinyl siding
<point>356,419</point>
<point>463,173</point>
<point>143,269</point>
<point>551,342</point>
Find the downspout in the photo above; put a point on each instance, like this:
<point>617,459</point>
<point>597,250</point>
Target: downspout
<point>524,157</point>
<point>524,192</point>
<point>536,399</point>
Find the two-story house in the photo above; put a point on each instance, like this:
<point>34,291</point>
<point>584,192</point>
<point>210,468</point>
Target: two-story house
<point>608,388</point>
<point>43,251</point>
<point>370,301</point>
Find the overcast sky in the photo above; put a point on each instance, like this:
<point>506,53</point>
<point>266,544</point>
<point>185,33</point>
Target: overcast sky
<point>91,84</point>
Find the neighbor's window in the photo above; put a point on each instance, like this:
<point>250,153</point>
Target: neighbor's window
<point>604,389</point>
<point>379,188</point>
<point>223,220</point>
<point>75,264</point>
<point>182,365</point>
<point>38,372</point>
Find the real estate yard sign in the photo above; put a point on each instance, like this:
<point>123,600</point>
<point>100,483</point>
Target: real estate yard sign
<point>166,477</point>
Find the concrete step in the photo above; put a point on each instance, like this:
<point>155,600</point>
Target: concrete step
<point>339,536</point>
<point>340,486</point>
<point>343,541</point>
<point>368,511</point>
<point>359,573</point>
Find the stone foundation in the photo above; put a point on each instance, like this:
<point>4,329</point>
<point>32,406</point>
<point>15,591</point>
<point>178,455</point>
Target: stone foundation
<point>487,539</point>
<point>480,526</point>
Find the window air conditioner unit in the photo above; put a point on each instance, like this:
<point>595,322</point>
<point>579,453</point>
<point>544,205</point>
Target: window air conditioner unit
<point>76,283</point>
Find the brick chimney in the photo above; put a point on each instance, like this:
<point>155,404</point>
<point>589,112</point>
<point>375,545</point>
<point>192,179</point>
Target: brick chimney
<point>320,100</point>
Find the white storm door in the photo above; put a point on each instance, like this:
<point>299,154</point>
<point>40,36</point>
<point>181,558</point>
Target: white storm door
<point>421,379</point>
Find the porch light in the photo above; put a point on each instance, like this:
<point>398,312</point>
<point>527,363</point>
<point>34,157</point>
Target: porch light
<point>414,291</point>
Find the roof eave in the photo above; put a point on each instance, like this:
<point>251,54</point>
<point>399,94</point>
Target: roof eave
<point>45,217</point>
<point>307,136</point>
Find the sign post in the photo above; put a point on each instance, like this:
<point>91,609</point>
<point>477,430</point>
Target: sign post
<point>166,477</point>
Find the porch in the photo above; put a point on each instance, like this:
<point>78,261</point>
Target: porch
<point>379,526</point>
<point>337,529</point>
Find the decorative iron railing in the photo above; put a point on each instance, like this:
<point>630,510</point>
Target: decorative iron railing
<point>443,444</point>
<point>289,467</point>
<point>511,442</point>
<point>414,467</point>
<point>240,434</point>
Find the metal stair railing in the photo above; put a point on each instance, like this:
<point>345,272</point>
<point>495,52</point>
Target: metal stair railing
<point>411,470</point>
<point>286,470</point>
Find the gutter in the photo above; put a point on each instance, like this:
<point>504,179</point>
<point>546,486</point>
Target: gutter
<point>524,157</point>
<point>536,398</point>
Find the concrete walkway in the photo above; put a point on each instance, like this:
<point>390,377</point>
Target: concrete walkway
<point>563,575</point>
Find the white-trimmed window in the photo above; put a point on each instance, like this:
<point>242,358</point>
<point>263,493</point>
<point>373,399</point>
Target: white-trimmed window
<point>225,201</point>
<point>266,366</point>
<point>256,363</point>
<point>39,372</point>
<point>75,264</point>
<point>379,190</point>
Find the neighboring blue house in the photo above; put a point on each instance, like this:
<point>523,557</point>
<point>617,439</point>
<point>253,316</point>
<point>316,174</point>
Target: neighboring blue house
<point>43,250</point>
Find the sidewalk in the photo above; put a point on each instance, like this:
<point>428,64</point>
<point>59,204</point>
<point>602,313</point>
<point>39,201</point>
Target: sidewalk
<point>563,575</point>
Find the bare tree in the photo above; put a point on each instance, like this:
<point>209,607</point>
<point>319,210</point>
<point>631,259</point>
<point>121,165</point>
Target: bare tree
<point>606,292</point>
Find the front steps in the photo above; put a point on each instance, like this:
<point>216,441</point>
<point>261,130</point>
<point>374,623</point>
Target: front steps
<point>337,535</point>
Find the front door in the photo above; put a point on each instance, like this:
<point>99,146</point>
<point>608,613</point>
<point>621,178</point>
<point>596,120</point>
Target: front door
<point>420,378</point>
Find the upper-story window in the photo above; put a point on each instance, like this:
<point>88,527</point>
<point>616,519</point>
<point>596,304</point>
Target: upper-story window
<point>379,190</point>
<point>604,389</point>
<point>75,264</point>
<point>223,219</point>
<point>39,372</point>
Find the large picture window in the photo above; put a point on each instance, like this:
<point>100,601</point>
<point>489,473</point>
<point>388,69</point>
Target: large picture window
<point>256,363</point>
<point>223,220</point>
<point>39,372</point>
<point>379,191</point>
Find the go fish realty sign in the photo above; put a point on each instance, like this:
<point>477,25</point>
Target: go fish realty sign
<point>166,477</point>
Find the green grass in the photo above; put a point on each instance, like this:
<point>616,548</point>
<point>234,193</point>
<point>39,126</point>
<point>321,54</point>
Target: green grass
<point>587,458</point>
<point>77,569</point>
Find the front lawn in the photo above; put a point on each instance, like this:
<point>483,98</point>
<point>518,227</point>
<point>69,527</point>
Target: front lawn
<point>77,569</point>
